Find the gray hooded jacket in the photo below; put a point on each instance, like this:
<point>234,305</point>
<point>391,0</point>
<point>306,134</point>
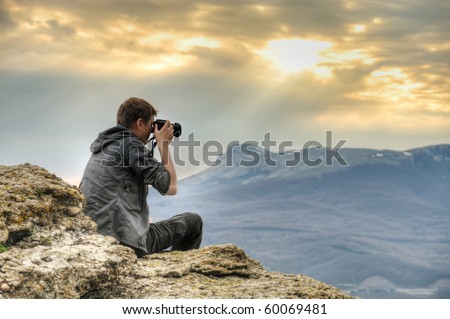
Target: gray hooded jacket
<point>115,185</point>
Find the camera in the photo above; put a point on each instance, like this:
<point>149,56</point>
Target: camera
<point>176,127</point>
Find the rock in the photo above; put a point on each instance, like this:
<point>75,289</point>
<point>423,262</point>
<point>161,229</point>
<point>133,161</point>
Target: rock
<point>33,202</point>
<point>72,211</point>
<point>5,287</point>
<point>69,271</point>
<point>223,271</point>
<point>4,233</point>
<point>55,252</point>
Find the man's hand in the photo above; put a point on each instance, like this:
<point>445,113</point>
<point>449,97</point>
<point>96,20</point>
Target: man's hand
<point>163,138</point>
<point>165,134</point>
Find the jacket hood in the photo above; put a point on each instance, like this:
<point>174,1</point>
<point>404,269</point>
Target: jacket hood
<point>115,133</point>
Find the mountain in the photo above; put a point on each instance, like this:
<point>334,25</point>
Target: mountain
<point>378,227</point>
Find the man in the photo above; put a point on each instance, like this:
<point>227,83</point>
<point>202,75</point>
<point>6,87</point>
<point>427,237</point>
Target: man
<point>115,184</point>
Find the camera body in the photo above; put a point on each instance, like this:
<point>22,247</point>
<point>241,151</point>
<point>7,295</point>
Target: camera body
<point>176,127</point>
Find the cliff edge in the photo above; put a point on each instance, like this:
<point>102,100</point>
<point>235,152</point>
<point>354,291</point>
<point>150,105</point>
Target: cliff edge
<point>50,249</point>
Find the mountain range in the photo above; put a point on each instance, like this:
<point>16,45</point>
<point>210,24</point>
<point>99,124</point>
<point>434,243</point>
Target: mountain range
<point>378,227</point>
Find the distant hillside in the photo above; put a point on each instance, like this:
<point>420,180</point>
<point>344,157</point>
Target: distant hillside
<point>379,227</point>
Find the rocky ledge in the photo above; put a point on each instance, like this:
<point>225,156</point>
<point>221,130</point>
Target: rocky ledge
<point>50,249</point>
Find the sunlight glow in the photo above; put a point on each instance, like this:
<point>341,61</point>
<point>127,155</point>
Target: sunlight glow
<point>350,4</point>
<point>294,55</point>
<point>262,9</point>
<point>391,84</point>
<point>351,56</point>
<point>178,43</point>
<point>377,21</point>
<point>401,94</point>
<point>156,39</point>
<point>358,28</point>
<point>166,62</point>
<point>389,73</point>
<point>177,50</point>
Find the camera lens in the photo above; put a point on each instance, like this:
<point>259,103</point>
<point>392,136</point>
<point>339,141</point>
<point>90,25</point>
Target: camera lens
<point>176,127</point>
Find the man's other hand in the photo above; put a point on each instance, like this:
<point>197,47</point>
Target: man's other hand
<point>165,134</point>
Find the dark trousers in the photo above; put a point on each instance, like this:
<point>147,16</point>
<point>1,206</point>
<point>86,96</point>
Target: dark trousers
<point>182,232</point>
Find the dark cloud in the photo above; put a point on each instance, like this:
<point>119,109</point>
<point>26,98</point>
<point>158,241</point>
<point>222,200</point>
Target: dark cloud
<point>60,30</point>
<point>6,20</point>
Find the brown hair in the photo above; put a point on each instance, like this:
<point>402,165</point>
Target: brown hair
<point>133,109</point>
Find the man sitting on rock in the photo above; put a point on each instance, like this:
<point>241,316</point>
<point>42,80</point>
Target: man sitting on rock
<point>115,184</point>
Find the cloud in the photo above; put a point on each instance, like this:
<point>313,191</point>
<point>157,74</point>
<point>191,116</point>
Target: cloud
<point>6,21</point>
<point>120,30</point>
<point>60,30</point>
<point>382,77</point>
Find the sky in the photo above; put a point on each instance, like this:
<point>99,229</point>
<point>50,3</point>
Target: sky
<point>375,73</point>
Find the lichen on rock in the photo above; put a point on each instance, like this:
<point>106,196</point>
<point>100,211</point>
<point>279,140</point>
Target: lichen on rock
<point>52,250</point>
<point>33,199</point>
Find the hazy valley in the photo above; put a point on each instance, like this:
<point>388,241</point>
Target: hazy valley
<point>378,228</point>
